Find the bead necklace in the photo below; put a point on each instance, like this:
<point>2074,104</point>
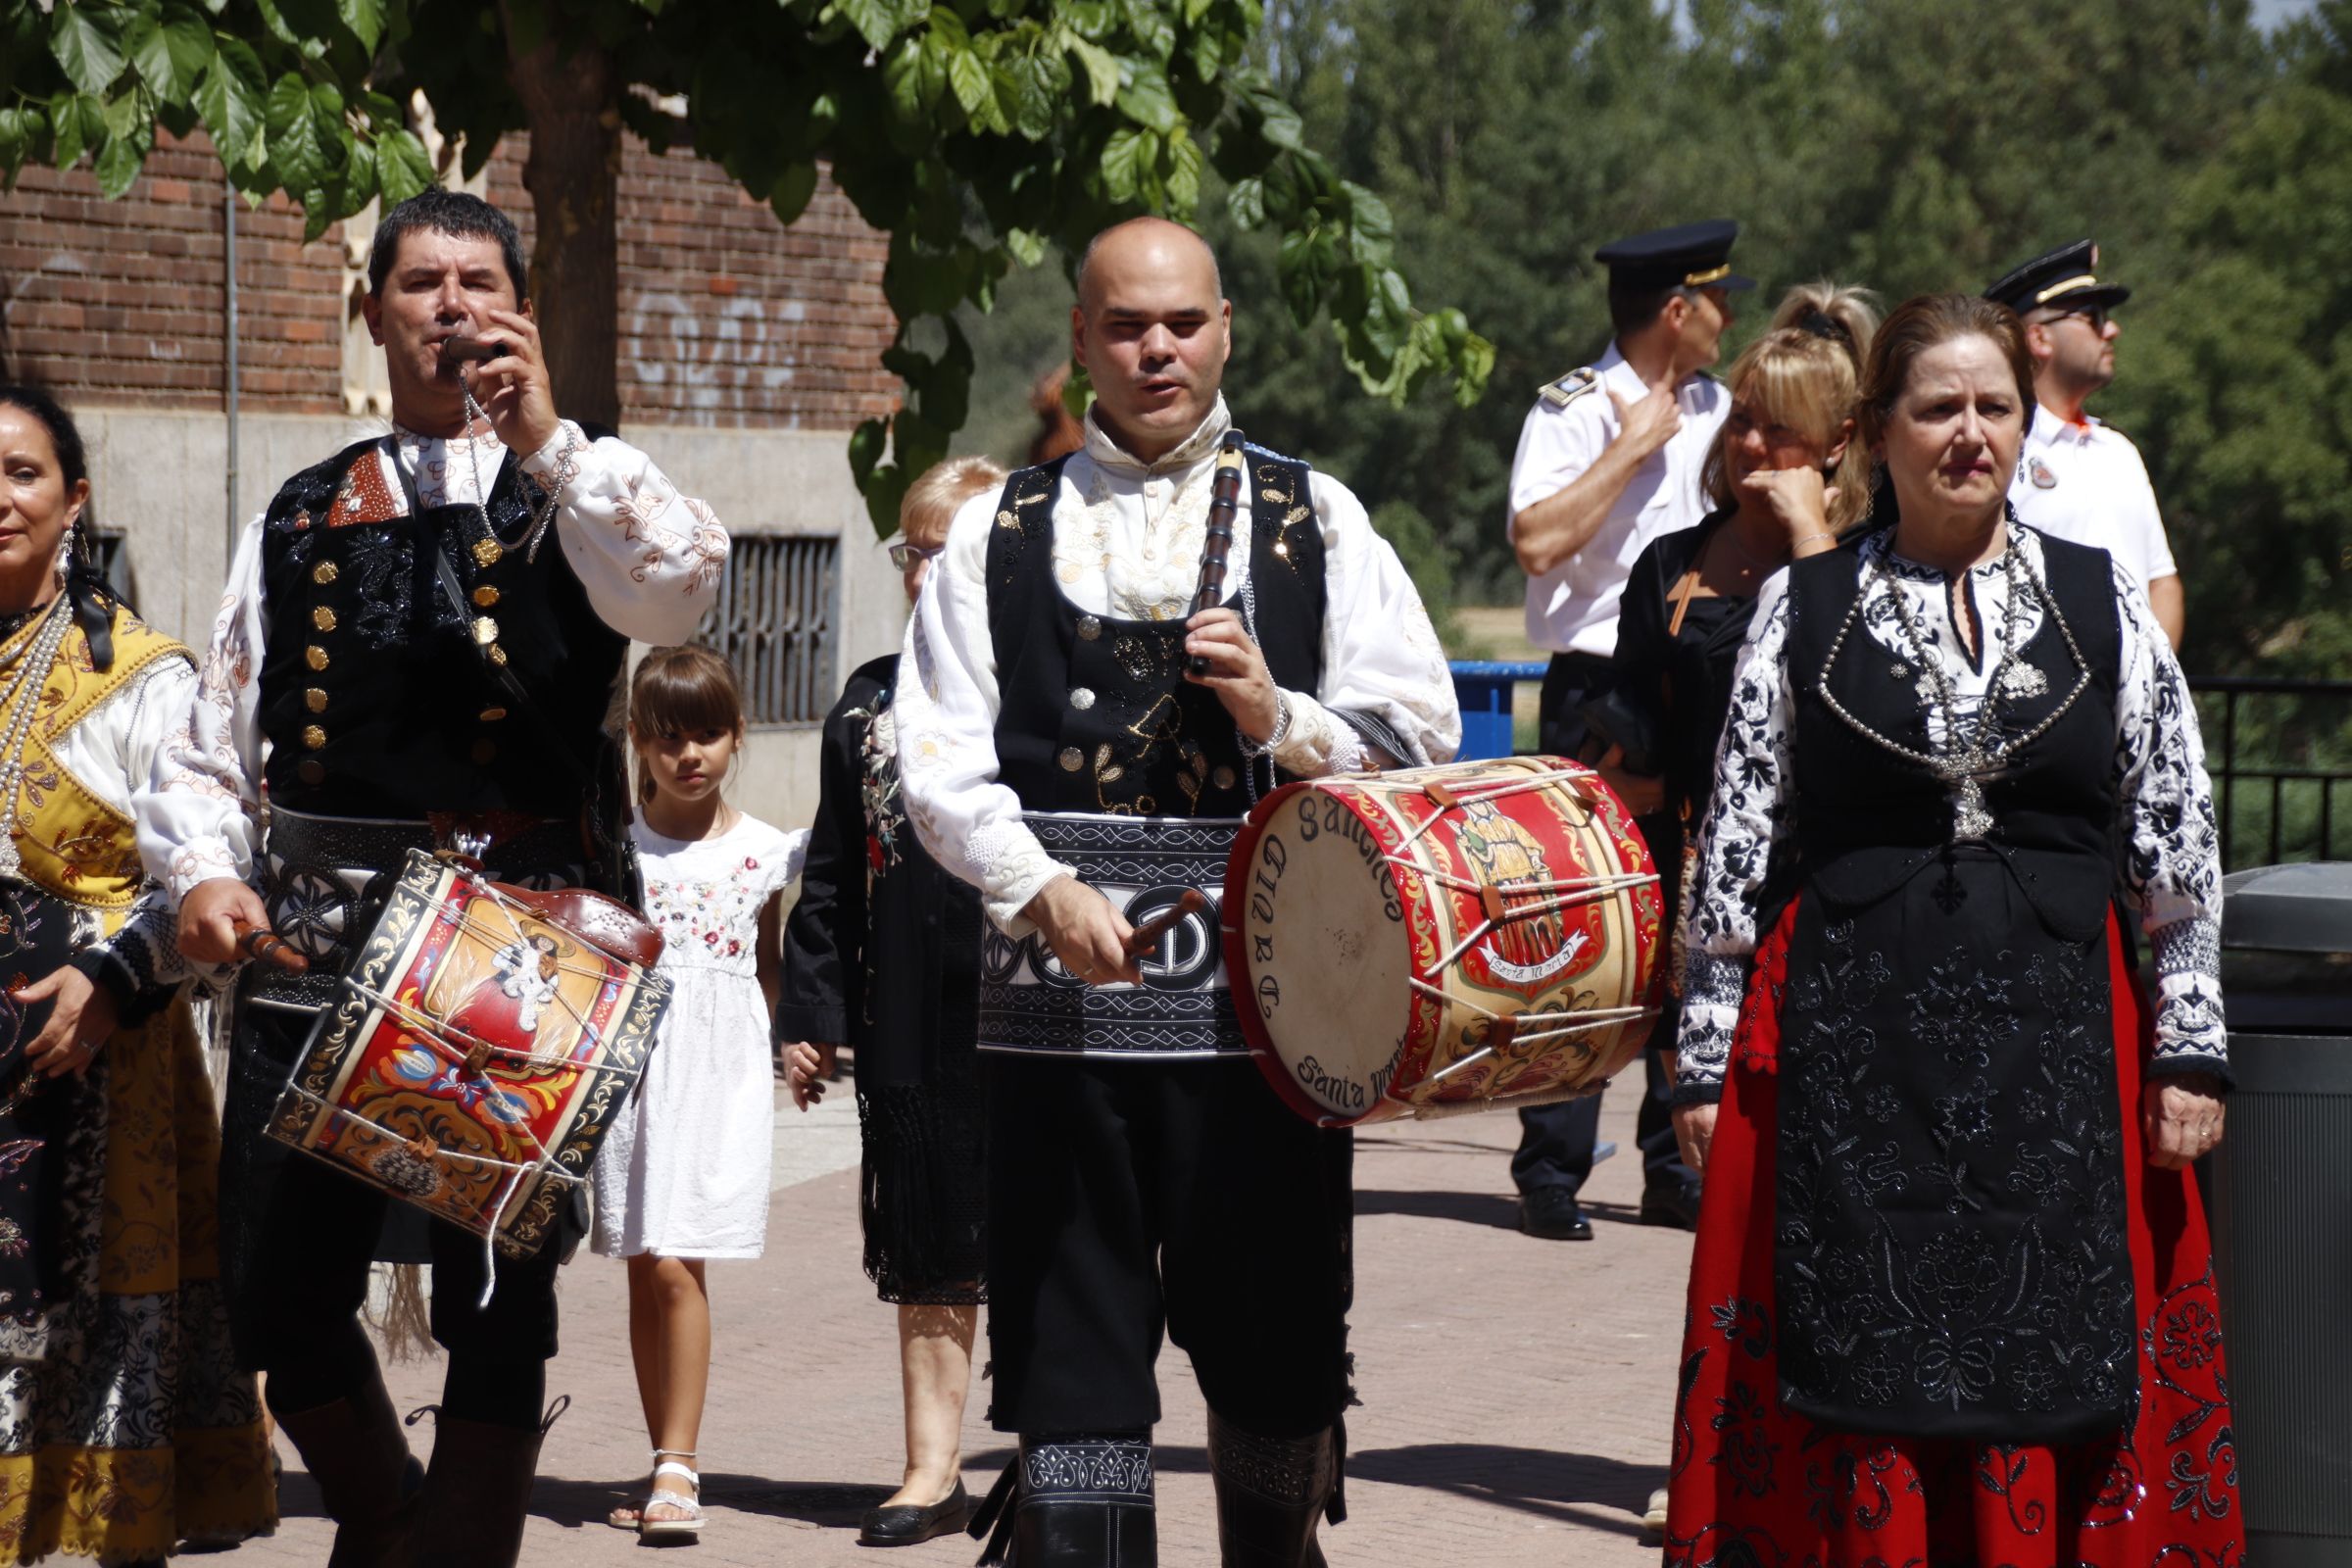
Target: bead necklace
<point>1968,756</point>
<point>21,703</point>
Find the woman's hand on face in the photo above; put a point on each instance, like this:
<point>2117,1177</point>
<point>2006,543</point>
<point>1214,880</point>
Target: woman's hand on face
<point>2181,1120</point>
<point>1798,498</point>
<point>77,1026</point>
<point>807,1067</point>
<point>1695,1130</point>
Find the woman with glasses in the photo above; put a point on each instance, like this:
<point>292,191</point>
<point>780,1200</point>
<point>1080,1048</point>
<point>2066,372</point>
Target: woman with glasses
<point>883,951</point>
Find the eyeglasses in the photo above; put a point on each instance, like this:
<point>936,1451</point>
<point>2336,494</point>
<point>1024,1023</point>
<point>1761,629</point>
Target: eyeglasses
<point>904,555</point>
<point>2095,316</point>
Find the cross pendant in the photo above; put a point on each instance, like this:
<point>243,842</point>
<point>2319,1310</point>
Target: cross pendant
<point>1969,818</point>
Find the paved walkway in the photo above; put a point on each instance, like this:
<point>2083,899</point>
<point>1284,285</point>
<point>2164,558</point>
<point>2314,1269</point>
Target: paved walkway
<point>1514,1391</point>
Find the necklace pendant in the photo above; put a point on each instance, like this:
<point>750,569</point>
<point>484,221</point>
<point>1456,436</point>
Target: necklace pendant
<point>2023,681</point>
<point>12,864</point>
<point>1971,819</point>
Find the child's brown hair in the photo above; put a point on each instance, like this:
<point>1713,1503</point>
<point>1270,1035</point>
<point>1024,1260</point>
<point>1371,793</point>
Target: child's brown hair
<point>681,691</point>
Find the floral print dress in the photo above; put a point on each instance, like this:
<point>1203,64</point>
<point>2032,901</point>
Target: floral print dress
<point>684,1171</point>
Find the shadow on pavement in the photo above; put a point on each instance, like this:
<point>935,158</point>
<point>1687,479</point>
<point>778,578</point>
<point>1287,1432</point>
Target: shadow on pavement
<point>1471,1209</point>
<point>1568,1488</point>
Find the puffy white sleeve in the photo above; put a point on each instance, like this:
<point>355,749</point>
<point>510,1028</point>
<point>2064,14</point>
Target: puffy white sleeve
<point>648,557</point>
<point>1755,787</point>
<point>115,749</point>
<point>2168,841</point>
<point>947,733</point>
<point>1385,678</point>
<point>197,800</point>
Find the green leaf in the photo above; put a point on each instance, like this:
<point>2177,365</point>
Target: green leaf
<point>1149,21</point>
<point>885,489</point>
<point>866,444</point>
<point>230,97</point>
<point>1372,227</point>
<point>968,78</point>
<point>296,149</point>
<point>1125,156</point>
<point>170,51</point>
<point>1279,123</point>
<point>1091,18</point>
<point>118,166</point>
<point>403,168</point>
<point>1102,71</point>
<point>1146,97</point>
<point>365,19</point>
<point>788,197</point>
<point>1183,172</point>
<point>80,122</point>
<point>1026,248</point>
<point>88,43</point>
<point>20,129</point>
<point>881,21</point>
<point>1246,201</point>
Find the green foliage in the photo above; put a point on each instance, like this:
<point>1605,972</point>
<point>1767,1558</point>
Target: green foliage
<point>973,132</point>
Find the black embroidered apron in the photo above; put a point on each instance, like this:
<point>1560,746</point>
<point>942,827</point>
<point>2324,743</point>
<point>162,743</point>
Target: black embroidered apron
<point>1950,1257</point>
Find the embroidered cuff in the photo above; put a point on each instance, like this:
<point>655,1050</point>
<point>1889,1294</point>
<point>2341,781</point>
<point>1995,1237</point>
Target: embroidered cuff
<point>2191,946</point>
<point>136,1001</point>
<point>1319,742</point>
<point>201,861</point>
<point>1702,1050</point>
<point>559,462</point>
<point>2190,1034</point>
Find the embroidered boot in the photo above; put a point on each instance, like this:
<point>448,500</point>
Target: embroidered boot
<point>1270,1493</point>
<point>476,1493</point>
<point>368,1480</point>
<point>1072,1502</point>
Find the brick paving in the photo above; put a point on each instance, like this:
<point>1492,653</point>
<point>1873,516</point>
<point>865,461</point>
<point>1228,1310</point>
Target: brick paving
<point>1515,1393</point>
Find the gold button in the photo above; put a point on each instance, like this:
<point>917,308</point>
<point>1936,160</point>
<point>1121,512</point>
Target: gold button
<point>322,617</point>
<point>313,737</point>
<point>486,551</point>
<point>315,699</point>
<point>485,596</point>
<point>485,630</point>
<point>315,656</point>
<point>311,770</point>
<point>491,715</point>
<point>485,752</point>
<point>498,656</point>
<point>325,572</point>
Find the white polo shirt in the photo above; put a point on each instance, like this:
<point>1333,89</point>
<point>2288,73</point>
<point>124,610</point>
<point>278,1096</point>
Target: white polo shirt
<point>1573,607</point>
<point>2086,483</point>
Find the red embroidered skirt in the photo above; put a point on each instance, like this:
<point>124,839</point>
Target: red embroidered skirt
<point>1755,1486</point>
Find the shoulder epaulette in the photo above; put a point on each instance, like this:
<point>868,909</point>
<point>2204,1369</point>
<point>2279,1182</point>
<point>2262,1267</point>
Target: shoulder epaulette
<point>1568,388</point>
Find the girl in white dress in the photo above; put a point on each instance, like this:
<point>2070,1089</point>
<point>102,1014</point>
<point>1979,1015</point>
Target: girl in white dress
<point>683,1174</point>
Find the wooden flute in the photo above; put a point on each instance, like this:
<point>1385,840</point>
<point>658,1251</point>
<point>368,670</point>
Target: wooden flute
<point>1224,507</point>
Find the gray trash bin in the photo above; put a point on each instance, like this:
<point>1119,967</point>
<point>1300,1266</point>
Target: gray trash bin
<point>2280,1192</point>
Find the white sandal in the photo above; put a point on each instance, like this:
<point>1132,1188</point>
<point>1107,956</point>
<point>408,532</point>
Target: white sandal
<point>690,1506</point>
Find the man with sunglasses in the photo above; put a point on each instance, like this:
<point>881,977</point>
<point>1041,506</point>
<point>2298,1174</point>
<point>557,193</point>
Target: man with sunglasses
<point>2077,479</point>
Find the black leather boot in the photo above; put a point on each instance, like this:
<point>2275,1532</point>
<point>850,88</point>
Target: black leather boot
<point>1271,1492</point>
<point>368,1480</point>
<point>476,1495</point>
<point>1073,1502</point>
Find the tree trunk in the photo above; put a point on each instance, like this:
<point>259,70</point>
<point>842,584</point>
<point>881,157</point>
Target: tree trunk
<point>573,175</point>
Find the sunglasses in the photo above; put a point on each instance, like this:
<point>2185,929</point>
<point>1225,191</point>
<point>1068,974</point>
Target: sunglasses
<point>2095,315</point>
<point>904,555</point>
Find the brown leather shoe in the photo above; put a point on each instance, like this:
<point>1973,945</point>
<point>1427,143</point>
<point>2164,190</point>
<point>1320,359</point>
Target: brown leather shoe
<point>476,1495</point>
<point>368,1480</point>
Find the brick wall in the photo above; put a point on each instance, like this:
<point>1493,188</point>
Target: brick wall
<point>726,318</point>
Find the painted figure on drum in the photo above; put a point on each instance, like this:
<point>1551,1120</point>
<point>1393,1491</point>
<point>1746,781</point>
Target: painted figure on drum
<point>1053,715</point>
<point>416,650</point>
<point>1523,949</point>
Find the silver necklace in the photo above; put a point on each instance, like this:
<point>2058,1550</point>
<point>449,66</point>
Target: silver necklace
<point>21,703</point>
<point>1968,756</point>
<point>540,513</point>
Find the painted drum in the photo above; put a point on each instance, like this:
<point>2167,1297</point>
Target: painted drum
<point>1440,940</point>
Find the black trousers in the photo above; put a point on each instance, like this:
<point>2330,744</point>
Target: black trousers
<point>1557,1143</point>
<point>1130,1197</point>
<point>297,1236</point>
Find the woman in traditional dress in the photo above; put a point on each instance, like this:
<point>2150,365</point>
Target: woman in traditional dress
<point>125,1429</point>
<point>883,951</point>
<point>1952,1299</point>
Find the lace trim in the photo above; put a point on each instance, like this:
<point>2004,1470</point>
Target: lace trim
<point>2191,946</point>
<point>1116,1467</point>
<point>2189,1026</point>
<point>1290,1472</point>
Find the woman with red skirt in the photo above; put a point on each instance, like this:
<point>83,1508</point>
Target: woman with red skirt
<point>1952,1299</point>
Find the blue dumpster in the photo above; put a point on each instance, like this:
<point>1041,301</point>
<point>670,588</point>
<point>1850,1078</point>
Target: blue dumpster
<point>1484,688</point>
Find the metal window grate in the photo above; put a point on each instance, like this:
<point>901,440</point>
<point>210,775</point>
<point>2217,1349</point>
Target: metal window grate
<point>773,622</point>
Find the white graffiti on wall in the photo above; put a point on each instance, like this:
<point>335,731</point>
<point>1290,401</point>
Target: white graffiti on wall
<point>711,358</point>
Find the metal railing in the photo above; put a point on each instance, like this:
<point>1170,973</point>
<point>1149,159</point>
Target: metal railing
<point>2271,810</point>
<point>773,620</point>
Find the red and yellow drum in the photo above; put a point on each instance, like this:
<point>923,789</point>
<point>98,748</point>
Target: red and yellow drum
<point>480,1043</point>
<point>1443,939</point>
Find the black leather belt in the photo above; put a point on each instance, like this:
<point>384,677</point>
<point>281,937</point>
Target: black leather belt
<point>325,880</point>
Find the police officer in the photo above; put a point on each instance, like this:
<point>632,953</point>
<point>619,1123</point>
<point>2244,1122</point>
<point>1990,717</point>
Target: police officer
<point>2075,477</point>
<point>1608,459</point>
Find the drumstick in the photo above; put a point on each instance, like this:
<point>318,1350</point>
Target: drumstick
<point>1143,938</point>
<point>1224,505</point>
<point>263,944</point>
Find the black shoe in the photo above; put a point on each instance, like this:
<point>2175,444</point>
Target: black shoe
<point>1673,1204</point>
<point>1551,1212</point>
<point>903,1524</point>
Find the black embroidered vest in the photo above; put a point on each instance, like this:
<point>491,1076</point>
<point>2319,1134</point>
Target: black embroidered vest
<point>1949,1249</point>
<point>1096,713</point>
<point>373,696</point>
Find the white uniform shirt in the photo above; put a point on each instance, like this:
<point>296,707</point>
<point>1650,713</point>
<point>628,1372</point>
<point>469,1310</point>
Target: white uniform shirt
<point>1573,607</point>
<point>647,557</point>
<point>2086,483</point>
<point>1127,541</point>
